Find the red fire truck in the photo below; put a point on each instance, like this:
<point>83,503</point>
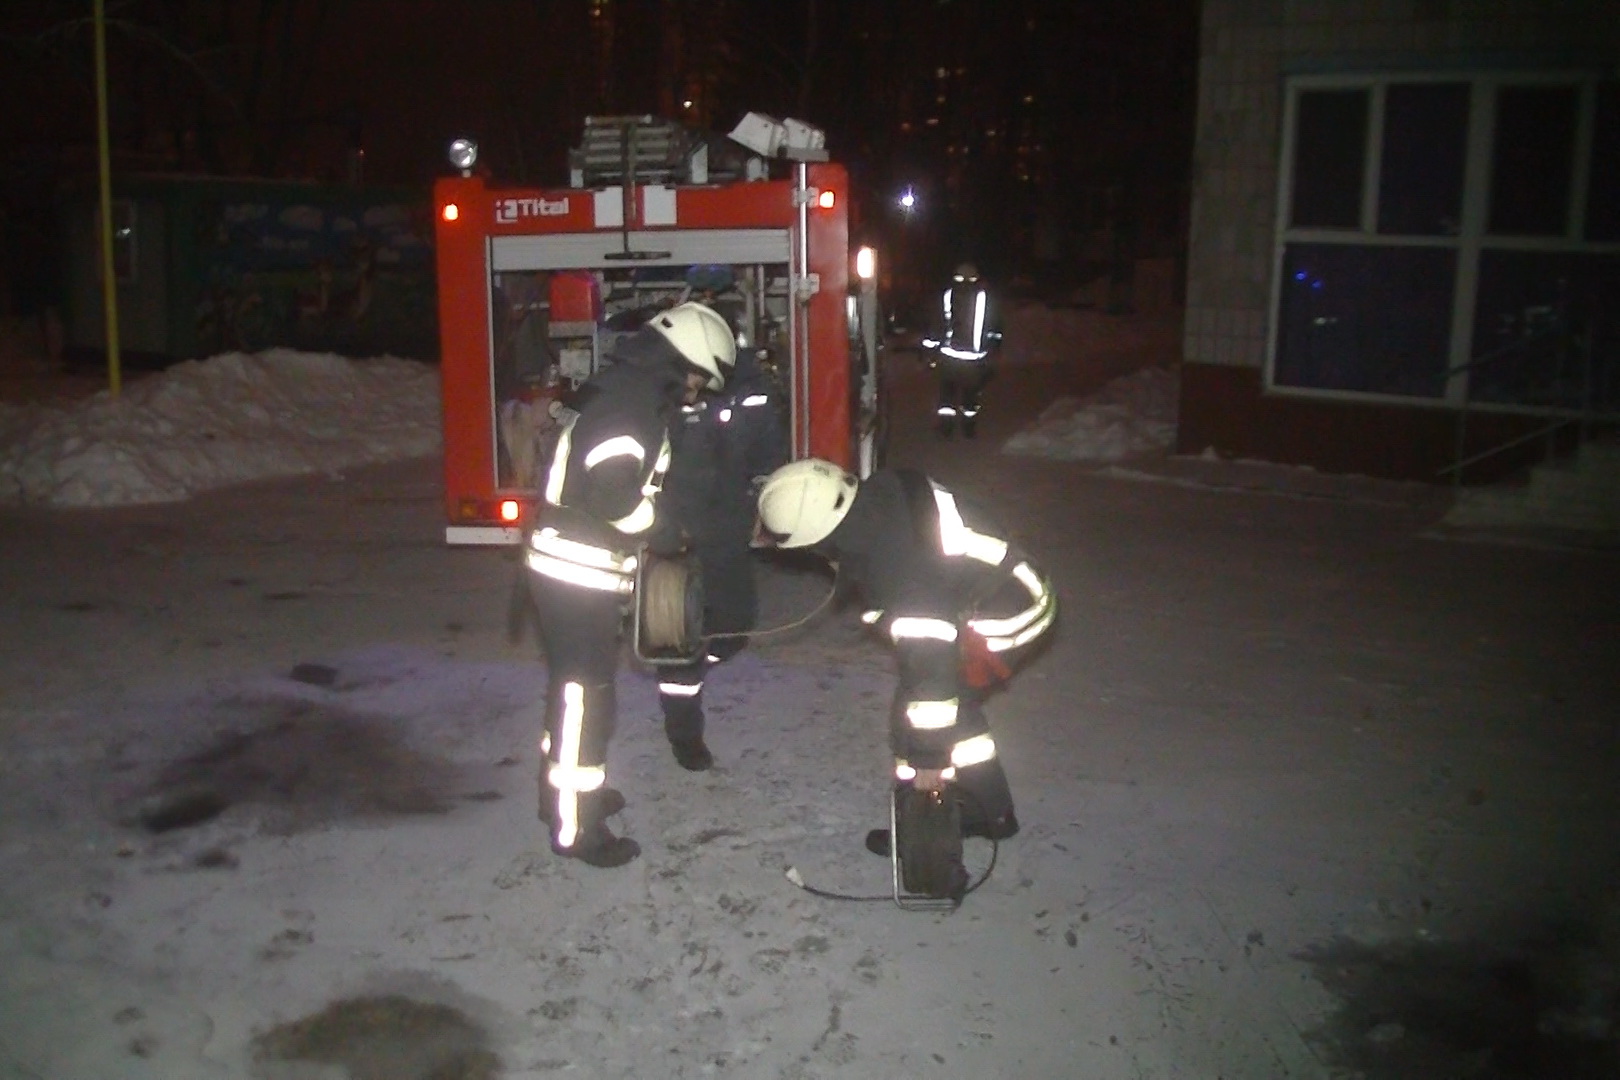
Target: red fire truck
<point>535,285</point>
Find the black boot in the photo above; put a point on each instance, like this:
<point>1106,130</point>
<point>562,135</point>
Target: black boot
<point>692,754</point>
<point>877,842</point>
<point>597,846</point>
<point>969,428</point>
<point>683,726</point>
<point>1002,827</point>
<point>987,802</point>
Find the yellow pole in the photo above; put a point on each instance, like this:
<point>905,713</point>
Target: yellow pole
<point>109,280</point>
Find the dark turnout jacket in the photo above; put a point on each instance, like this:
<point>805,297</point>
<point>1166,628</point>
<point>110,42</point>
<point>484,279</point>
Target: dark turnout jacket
<point>912,548</point>
<point>610,462</point>
<point>721,445</point>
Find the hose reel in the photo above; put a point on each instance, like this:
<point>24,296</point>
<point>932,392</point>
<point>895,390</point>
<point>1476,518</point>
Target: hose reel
<point>925,847</point>
<point>669,610</point>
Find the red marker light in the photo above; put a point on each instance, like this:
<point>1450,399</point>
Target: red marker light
<point>826,200</point>
<point>511,509</point>
<point>451,211</point>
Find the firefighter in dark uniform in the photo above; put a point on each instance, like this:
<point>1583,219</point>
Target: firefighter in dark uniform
<point>725,446</point>
<point>961,353</point>
<point>957,602</point>
<point>599,507</point>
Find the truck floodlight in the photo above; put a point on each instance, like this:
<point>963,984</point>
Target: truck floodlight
<point>769,137</point>
<point>798,135</point>
<point>760,133</point>
<point>450,212</point>
<point>463,155</point>
<point>826,200</point>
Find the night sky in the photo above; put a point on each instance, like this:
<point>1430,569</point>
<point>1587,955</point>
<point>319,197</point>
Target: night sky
<point>1019,120</point>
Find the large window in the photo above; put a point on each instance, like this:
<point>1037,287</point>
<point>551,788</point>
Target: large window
<point>1366,318</point>
<point>1420,173</point>
<point>1331,135</point>
<point>1450,239</point>
<point>1532,160</point>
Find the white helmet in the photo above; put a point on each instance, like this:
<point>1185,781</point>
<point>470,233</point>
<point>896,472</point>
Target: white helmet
<point>804,501</point>
<point>701,335</point>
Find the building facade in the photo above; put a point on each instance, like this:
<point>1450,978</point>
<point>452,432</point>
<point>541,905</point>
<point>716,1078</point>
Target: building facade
<point>1405,236</point>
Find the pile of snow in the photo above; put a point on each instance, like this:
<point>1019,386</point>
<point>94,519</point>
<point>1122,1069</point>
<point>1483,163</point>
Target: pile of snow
<point>204,424</point>
<point>1132,417</point>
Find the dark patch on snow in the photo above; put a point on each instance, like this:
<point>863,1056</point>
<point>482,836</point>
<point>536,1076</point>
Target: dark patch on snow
<point>182,809</point>
<point>386,1037</point>
<point>286,944</point>
<point>79,607</point>
<point>215,858</point>
<point>322,675</point>
<point>286,594</point>
<point>1534,1006</point>
<point>300,765</point>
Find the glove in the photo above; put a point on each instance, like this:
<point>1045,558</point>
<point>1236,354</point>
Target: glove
<point>667,541</point>
<point>981,668</point>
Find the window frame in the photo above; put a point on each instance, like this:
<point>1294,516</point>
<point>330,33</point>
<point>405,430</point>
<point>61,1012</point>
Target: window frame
<point>1471,239</point>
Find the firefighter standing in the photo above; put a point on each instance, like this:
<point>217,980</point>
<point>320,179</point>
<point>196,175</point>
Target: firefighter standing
<point>724,445</point>
<point>600,505</point>
<point>931,574</point>
<point>968,337</point>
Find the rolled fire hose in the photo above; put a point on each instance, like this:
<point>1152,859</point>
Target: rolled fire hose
<point>669,591</point>
<point>667,602</point>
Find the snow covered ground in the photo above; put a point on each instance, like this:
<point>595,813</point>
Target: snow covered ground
<point>1308,791</point>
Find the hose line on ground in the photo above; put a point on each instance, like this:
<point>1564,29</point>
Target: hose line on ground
<point>793,875</point>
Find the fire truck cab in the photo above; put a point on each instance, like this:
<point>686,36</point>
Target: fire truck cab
<point>536,285</point>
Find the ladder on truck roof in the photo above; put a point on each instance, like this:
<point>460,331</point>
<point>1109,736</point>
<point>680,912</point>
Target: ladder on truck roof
<point>651,150</point>
<point>636,150</point>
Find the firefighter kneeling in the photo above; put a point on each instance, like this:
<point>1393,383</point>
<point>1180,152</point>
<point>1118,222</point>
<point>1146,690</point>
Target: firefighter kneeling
<point>927,568</point>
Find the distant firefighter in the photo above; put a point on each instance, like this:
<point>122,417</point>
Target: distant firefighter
<point>965,342</point>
